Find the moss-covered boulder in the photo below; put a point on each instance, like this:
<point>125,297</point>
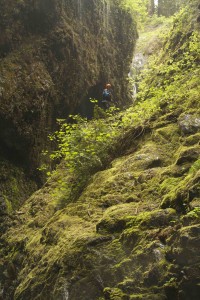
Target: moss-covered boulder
<point>189,123</point>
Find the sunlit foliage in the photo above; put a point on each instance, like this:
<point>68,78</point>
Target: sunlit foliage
<point>139,8</point>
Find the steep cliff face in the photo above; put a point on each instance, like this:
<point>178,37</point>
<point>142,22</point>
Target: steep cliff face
<point>54,55</point>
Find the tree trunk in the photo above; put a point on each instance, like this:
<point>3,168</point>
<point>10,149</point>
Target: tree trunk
<point>167,7</point>
<point>151,7</point>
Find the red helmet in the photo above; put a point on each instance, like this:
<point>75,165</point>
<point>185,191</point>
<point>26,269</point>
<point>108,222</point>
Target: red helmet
<point>108,85</point>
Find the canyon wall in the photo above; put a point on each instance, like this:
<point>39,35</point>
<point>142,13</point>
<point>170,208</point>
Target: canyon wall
<point>54,56</point>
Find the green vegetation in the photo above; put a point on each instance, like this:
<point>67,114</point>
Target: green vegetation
<point>82,144</point>
<point>195,167</point>
<point>153,35</point>
<point>173,78</point>
<point>146,12</point>
<point>88,146</point>
<point>139,10</point>
<point>84,147</point>
<point>131,230</point>
<point>170,83</point>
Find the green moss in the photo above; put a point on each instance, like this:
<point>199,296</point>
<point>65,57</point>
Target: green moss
<point>130,237</point>
<point>15,184</point>
<point>169,184</point>
<point>188,154</point>
<point>181,194</point>
<point>8,205</point>
<point>115,218</point>
<point>167,134</point>
<point>192,217</point>
<point>147,296</point>
<point>114,294</point>
<point>155,219</point>
<point>192,139</point>
<point>195,167</point>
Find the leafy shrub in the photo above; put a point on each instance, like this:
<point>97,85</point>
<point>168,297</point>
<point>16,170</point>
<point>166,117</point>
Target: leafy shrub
<point>83,147</point>
<point>82,143</point>
<point>138,8</point>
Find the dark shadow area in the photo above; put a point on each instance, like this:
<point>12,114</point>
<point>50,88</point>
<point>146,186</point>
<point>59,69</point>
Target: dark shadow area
<point>13,146</point>
<point>39,17</point>
<point>16,149</point>
<point>86,108</point>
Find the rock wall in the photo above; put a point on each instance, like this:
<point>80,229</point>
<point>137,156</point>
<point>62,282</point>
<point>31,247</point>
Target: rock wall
<point>54,56</point>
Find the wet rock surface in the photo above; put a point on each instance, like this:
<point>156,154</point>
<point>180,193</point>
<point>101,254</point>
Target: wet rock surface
<point>189,124</point>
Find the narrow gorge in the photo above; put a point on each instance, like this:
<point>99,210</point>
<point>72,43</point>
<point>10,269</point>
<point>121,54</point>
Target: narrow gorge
<point>118,218</point>
<point>54,56</point>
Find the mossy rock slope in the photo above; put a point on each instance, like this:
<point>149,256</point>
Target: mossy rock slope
<point>133,233</point>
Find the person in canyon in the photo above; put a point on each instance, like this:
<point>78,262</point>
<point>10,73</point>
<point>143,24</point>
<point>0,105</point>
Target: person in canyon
<point>107,96</point>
